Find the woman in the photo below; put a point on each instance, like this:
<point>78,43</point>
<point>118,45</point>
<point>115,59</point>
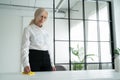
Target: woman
<point>35,46</point>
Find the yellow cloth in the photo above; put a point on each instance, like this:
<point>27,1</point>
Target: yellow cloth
<point>30,73</point>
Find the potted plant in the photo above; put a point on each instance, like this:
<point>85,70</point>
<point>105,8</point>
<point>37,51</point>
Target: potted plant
<point>79,53</point>
<point>117,59</point>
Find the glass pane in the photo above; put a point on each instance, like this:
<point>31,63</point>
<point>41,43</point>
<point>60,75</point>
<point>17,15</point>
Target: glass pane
<point>61,52</point>
<point>76,9</point>
<point>61,8</point>
<point>77,47</point>
<point>103,10</point>
<point>105,52</point>
<point>104,31</point>
<point>77,30</point>
<point>92,66</point>
<point>91,30</point>
<point>90,10</point>
<point>92,52</point>
<point>61,29</point>
<point>107,66</point>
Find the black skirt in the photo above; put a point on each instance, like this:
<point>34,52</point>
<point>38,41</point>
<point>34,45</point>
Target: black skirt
<point>39,60</point>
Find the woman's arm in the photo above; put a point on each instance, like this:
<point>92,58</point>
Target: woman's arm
<point>25,49</point>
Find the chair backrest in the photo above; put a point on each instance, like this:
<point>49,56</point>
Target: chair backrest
<point>60,68</point>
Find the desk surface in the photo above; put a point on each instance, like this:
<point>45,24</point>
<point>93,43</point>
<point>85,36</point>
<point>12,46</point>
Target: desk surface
<point>65,75</point>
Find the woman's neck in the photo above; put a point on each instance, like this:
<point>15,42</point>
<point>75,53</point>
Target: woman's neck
<point>40,26</point>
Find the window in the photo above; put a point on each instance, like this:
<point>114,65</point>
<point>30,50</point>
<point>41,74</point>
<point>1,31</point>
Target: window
<point>83,34</point>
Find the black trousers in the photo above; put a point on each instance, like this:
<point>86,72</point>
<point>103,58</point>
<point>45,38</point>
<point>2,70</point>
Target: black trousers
<point>39,60</point>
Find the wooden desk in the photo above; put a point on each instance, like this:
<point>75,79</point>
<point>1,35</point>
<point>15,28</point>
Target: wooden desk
<point>65,75</point>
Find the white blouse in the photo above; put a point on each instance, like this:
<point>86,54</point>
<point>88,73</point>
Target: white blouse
<point>37,38</point>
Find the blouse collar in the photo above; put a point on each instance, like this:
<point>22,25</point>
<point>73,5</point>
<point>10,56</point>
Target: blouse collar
<point>37,26</point>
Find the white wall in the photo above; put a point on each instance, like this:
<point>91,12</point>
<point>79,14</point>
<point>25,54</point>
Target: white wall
<point>116,11</point>
<point>10,40</point>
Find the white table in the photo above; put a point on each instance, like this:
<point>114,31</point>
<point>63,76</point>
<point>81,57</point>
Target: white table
<point>65,75</point>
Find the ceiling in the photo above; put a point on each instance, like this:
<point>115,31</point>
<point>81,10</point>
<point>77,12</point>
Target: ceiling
<point>35,3</point>
<point>28,3</point>
<point>40,3</point>
<point>60,5</point>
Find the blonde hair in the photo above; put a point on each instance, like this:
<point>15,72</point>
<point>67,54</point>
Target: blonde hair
<point>37,12</point>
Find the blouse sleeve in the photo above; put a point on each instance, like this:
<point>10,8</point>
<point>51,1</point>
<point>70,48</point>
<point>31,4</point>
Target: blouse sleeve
<point>25,47</point>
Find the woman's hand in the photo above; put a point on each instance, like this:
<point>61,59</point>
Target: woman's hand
<point>27,69</point>
<point>53,68</point>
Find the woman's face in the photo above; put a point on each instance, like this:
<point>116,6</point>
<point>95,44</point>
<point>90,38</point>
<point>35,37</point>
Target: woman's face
<point>41,18</point>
